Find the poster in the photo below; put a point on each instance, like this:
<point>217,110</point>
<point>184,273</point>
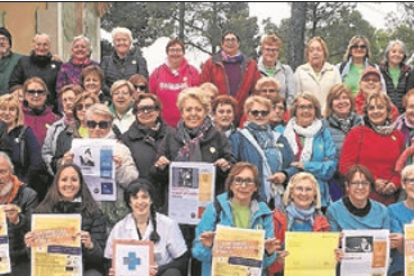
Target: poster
<point>366,252</point>
<point>302,259</point>
<point>94,157</point>
<point>191,189</point>
<point>409,249</point>
<point>5,266</point>
<point>132,257</point>
<point>238,251</point>
<point>57,249</point>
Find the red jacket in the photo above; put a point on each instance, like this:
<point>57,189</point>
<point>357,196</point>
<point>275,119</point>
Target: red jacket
<point>360,101</point>
<point>213,71</point>
<point>363,146</point>
<point>167,86</point>
<point>320,224</point>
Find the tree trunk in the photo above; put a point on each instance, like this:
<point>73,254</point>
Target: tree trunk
<point>297,34</point>
<point>181,23</point>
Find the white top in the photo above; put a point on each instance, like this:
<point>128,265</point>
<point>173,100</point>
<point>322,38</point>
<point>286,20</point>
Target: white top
<point>125,121</point>
<point>170,246</point>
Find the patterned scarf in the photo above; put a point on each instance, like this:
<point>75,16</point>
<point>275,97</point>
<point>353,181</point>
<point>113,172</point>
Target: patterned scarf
<point>296,213</point>
<point>263,134</point>
<point>404,126</point>
<point>383,130</point>
<point>231,59</point>
<point>344,123</point>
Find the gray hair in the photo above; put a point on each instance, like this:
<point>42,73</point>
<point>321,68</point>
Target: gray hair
<point>84,38</point>
<point>407,171</point>
<point>391,44</point>
<point>40,35</point>
<point>7,158</point>
<point>122,30</point>
<point>99,109</point>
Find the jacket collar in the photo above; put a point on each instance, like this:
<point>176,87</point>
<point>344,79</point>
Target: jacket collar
<point>136,133</point>
<point>262,67</point>
<point>326,67</point>
<point>218,60</point>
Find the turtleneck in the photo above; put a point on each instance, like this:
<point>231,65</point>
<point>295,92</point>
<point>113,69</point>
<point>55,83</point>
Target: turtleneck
<point>359,212</point>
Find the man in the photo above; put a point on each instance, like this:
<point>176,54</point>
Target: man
<point>232,72</point>
<point>8,59</point>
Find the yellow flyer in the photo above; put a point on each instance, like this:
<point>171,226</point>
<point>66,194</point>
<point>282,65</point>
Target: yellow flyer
<point>4,244</point>
<point>57,249</point>
<point>409,249</point>
<point>302,259</point>
<point>238,251</point>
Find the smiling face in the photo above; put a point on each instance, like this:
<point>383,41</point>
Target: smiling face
<point>341,105</point>
<point>243,187</point>
<point>92,83</point>
<point>224,116</point>
<point>395,55</point>
<point>409,113</point>
<point>358,189</point>
<point>377,112</point>
<point>316,55</point>
<point>37,99</point>
<point>8,114</point>
<point>303,194</point>
<point>359,49</point>
<point>258,114</point>
<point>121,99</point>
<point>305,112</point>
<point>270,53</point>
<point>141,203</point>
<point>5,173</point>
<point>97,131</point>
<point>408,185</point>
<point>268,89</point>
<point>41,45</point>
<point>147,112</point>
<point>69,183</point>
<point>175,54</point>
<point>193,113</point>
<point>370,84</point>
<point>80,50</point>
<point>277,113</point>
<point>122,43</point>
<point>230,45</point>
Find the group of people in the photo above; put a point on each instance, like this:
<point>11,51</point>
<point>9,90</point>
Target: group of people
<point>325,148</point>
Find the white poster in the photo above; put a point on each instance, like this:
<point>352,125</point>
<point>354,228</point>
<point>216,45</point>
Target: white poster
<point>132,258</point>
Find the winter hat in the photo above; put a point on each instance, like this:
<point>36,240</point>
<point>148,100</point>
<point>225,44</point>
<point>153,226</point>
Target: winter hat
<point>6,33</point>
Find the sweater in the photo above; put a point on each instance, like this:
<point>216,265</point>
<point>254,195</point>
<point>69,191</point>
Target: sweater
<point>7,64</point>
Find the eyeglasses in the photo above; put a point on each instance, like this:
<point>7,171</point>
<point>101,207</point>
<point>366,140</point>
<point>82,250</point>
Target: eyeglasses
<point>257,113</point>
<point>140,87</point>
<point>305,107</point>
<point>230,40</point>
<point>238,181</point>
<point>33,92</point>
<point>271,50</point>
<point>268,91</point>
<point>80,107</point>
<point>359,46</point>
<point>375,80</point>
<point>303,189</point>
<point>360,183</point>
<point>409,181</point>
<point>175,50</point>
<point>101,124</point>
<point>146,108</point>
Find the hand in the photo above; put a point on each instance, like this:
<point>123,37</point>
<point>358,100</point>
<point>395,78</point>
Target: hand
<point>223,164</point>
<point>277,178</point>
<point>339,255</point>
<point>207,239</point>
<point>12,213</point>
<point>390,188</point>
<point>397,241</point>
<point>86,239</point>
<point>271,245</point>
<point>298,165</point>
<point>281,255</point>
<point>117,160</point>
<point>380,185</point>
<point>56,57</point>
<point>29,239</point>
<point>341,236</point>
<point>68,158</point>
<point>153,270</point>
<point>111,272</point>
<point>162,162</point>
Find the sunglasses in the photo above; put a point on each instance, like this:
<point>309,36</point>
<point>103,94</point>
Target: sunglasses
<point>262,113</point>
<point>80,107</point>
<point>359,46</point>
<point>33,92</point>
<point>146,108</point>
<point>101,124</point>
<point>140,87</point>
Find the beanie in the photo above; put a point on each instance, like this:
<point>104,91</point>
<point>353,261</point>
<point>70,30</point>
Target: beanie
<point>6,33</point>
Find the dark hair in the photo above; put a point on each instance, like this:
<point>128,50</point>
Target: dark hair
<point>77,89</point>
<point>362,170</point>
<point>137,78</point>
<point>15,88</point>
<point>238,168</point>
<point>143,185</point>
<point>175,41</point>
<point>53,196</point>
<point>230,32</point>
<point>275,99</point>
<point>222,100</point>
<point>142,96</point>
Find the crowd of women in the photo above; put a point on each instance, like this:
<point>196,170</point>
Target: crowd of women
<point>325,148</point>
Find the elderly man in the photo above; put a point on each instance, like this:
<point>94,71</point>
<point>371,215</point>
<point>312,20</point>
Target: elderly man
<point>40,63</point>
<point>19,202</point>
<point>8,59</point>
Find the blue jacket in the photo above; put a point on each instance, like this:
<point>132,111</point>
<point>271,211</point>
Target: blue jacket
<point>261,219</point>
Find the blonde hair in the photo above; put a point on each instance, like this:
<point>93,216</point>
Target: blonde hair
<point>118,84</point>
<point>7,101</point>
<point>210,87</point>
<point>334,93</point>
<point>256,99</point>
<point>381,97</point>
<point>406,172</point>
<point>323,44</point>
<point>267,80</point>
<point>307,96</point>
<point>100,109</point>
<point>194,93</point>
<point>352,42</point>
<point>271,39</point>
<point>297,178</point>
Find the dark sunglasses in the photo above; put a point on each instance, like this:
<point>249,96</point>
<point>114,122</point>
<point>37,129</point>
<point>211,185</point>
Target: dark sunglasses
<point>79,107</point>
<point>257,113</point>
<point>101,124</point>
<point>140,87</point>
<point>359,46</point>
<point>146,108</point>
<point>38,92</point>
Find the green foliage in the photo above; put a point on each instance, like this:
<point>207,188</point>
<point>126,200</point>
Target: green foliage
<point>282,32</point>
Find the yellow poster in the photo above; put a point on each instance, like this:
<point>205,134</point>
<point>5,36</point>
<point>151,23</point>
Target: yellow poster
<point>409,249</point>
<point>4,244</point>
<point>238,251</point>
<point>56,250</point>
<point>302,259</point>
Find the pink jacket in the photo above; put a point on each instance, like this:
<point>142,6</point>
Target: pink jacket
<point>167,85</point>
<point>39,123</point>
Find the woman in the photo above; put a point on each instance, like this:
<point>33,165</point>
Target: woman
<point>356,60</point>
<point>67,97</point>
<point>70,195</point>
<point>265,148</point>
<point>401,213</point>
<point>124,61</point>
<point>17,92</point>
<point>279,113</point>
<point>92,81</point>
<point>121,107</point>
<point>144,223</point>
<point>405,123</point>
<point>140,84</point>
<point>168,80</point>
<point>99,121</point>
<point>223,109</point>
<point>317,76</point>
<point>239,208</point>
<point>71,71</point>
<point>144,137</point>
<point>311,142</point>
<point>365,145</point>
<point>36,113</point>
<point>301,213</point>
<point>396,73</point>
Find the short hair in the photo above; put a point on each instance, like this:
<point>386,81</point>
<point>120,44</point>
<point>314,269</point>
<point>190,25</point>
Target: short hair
<point>194,93</point>
<point>93,69</point>
<point>323,44</point>
<point>228,32</point>
<point>120,83</point>
<point>100,109</point>
<point>122,30</point>
<point>80,98</point>
<point>268,80</point>
<point>297,178</point>
<point>355,40</point>
<point>334,93</point>
<point>406,97</point>
<point>7,101</point>
<point>137,78</point>
<point>14,88</point>
<point>309,97</point>
<point>8,160</point>
<point>256,99</point>
<point>210,87</point>
<point>223,100</point>
<point>77,89</point>
<point>142,96</point>
<point>175,41</point>
<point>382,97</point>
<point>84,38</point>
<point>391,44</point>
<point>42,35</point>
<point>406,172</point>
<point>362,170</point>
<point>237,169</point>
<point>271,39</point>
<point>34,80</point>
<point>275,99</point>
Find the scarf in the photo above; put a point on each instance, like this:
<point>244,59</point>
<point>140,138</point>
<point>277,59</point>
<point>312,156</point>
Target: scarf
<point>404,126</point>
<point>295,213</point>
<point>263,134</point>
<point>191,150</point>
<point>384,130</point>
<point>231,59</point>
<point>309,133</point>
<point>85,62</point>
<point>68,207</point>
<point>345,124</point>
<point>354,210</point>
<point>151,134</point>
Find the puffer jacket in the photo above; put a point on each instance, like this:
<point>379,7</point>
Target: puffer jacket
<point>49,146</point>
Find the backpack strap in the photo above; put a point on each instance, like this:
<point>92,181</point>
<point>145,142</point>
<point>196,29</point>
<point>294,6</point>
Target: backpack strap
<point>116,131</point>
<point>22,147</point>
<point>218,209</point>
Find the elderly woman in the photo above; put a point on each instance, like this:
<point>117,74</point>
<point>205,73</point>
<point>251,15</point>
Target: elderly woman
<point>69,194</point>
<point>240,208</point>
<point>232,72</point>
<point>405,123</point>
<point>317,76</point>
<point>99,122</point>
<point>140,84</point>
<point>223,109</point>
<point>121,107</point>
<point>92,81</point>
<point>311,142</point>
<point>124,61</point>
<point>265,148</point>
<point>302,213</point>
<point>279,113</point>
<point>356,60</point>
<point>40,63</point>
<point>376,145</point>
<point>168,80</point>
<point>396,73</point>
<point>144,223</point>
<point>270,66</point>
